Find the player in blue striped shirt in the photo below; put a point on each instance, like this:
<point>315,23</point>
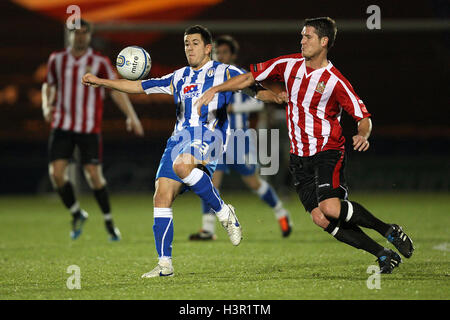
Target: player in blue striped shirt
<point>197,141</point>
<point>226,50</point>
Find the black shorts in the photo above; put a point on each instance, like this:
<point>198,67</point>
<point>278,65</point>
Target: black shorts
<point>61,145</point>
<point>319,177</point>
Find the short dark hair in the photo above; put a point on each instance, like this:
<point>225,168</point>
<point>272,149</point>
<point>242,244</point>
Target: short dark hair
<point>325,27</point>
<point>203,31</point>
<point>84,23</point>
<point>229,41</point>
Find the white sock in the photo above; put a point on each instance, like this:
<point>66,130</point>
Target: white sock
<point>209,222</point>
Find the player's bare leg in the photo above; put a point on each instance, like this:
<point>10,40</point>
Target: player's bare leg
<point>269,196</point>
<point>96,180</point>
<point>185,167</point>
<point>61,183</point>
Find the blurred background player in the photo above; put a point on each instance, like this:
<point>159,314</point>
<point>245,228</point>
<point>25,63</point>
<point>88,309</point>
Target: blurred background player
<point>226,51</point>
<point>316,94</point>
<point>75,114</point>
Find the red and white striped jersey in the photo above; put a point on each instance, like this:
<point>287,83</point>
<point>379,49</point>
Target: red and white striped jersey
<point>316,100</point>
<point>78,108</point>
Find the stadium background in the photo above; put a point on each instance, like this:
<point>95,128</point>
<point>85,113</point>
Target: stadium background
<point>401,72</point>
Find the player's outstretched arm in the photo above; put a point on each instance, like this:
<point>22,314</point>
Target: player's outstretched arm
<point>234,84</point>
<point>270,96</point>
<point>123,85</point>
<point>360,141</point>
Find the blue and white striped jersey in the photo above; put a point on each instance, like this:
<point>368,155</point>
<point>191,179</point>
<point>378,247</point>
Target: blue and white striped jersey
<point>187,85</point>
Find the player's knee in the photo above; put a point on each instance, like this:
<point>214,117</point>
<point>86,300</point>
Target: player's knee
<point>319,219</point>
<point>183,165</point>
<point>94,177</point>
<point>330,208</point>
<point>57,177</point>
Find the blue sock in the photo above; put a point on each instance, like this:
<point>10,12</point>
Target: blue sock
<point>201,184</point>
<point>163,231</point>
<point>267,194</point>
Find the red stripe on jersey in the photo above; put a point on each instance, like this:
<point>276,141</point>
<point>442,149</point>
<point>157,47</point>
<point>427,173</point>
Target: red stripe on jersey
<point>61,102</point>
<point>302,116</point>
<point>315,100</point>
<point>289,108</point>
<point>73,101</point>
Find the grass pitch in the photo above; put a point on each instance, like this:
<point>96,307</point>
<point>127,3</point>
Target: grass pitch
<point>35,252</point>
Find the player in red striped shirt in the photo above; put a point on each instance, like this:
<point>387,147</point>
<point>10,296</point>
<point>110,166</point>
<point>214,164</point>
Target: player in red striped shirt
<point>75,114</point>
<point>316,94</point>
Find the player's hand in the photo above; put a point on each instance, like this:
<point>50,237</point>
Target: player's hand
<point>205,99</point>
<point>282,97</point>
<point>48,113</point>
<point>90,80</point>
<point>133,124</point>
<point>360,143</point>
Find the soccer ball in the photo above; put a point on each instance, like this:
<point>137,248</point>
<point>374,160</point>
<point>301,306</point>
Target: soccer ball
<point>133,63</point>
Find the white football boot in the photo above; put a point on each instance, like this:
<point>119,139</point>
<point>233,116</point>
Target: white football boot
<point>230,222</point>
<point>164,268</point>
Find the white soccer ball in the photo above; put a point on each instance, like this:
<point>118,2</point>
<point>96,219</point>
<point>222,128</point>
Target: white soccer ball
<point>133,63</point>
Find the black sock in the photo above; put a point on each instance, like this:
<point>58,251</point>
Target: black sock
<point>354,213</point>
<point>354,236</point>
<point>68,198</point>
<point>103,200</point>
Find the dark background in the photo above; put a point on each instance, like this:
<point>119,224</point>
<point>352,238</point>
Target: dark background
<point>403,78</point>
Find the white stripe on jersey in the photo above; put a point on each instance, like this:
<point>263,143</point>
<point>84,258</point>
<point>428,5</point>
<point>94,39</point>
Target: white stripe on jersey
<point>295,113</point>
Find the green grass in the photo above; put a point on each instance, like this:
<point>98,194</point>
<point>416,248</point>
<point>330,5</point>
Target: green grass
<point>35,252</point>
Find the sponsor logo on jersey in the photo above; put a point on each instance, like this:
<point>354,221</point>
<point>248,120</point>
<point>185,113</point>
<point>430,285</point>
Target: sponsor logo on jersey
<point>191,90</point>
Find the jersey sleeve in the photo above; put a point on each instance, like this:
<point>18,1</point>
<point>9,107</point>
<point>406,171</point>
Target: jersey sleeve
<point>349,101</point>
<point>51,70</point>
<point>159,85</point>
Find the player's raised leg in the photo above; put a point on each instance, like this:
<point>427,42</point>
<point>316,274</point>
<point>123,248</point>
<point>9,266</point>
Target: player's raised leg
<point>185,167</point>
<point>267,194</point>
